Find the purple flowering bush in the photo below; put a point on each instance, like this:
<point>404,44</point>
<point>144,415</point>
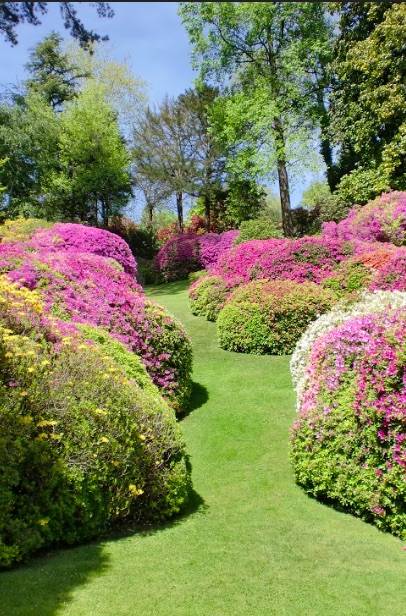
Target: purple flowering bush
<point>348,444</point>
<point>381,220</point>
<point>213,245</point>
<point>79,238</point>
<point>87,442</point>
<point>90,289</point>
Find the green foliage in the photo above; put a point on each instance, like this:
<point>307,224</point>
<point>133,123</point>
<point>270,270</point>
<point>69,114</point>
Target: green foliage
<point>270,316</point>
<point>349,278</point>
<point>93,180</point>
<point>368,106</point>
<point>21,229</point>
<point>260,229</point>
<point>207,296</point>
<point>82,446</point>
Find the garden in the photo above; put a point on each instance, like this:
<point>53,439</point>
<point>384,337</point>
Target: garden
<point>203,408</point>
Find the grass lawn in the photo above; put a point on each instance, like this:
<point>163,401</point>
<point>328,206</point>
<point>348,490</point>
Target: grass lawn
<point>254,544</point>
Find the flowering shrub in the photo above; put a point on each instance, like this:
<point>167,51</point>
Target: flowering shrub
<point>270,316</point>
<point>207,296</point>
<point>21,229</point>
<point>368,303</point>
<point>349,441</point>
<point>301,260</point>
<point>78,238</point>
<point>86,441</point>
<point>261,229</point>
<point>178,257</point>
<point>213,245</point>
<point>90,289</point>
<point>382,220</point>
<point>392,274</point>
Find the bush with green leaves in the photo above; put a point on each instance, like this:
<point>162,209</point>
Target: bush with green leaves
<point>269,316</point>
<point>207,296</point>
<point>259,229</point>
<point>86,440</point>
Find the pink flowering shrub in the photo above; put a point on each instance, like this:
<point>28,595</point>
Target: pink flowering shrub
<point>269,316</point>
<point>179,256</point>
<point>381,220</point>
<point>79,238</point>
<point>213,245</point>
<point>348,444</point>
<point>301,260</point>
<point>91,289</point>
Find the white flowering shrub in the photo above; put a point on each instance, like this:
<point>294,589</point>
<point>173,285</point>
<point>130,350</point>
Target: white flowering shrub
<point>368,303</point>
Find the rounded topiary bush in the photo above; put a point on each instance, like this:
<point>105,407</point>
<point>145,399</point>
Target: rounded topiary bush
<point>179,256</point>
<point>85,442</point>
<point>207,296</point>
<point>270,316</point>
<point>259,229</point>
<point>213,245</point>
<point>349,441</point>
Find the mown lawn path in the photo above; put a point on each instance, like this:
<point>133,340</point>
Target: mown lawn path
<point>254,545</point>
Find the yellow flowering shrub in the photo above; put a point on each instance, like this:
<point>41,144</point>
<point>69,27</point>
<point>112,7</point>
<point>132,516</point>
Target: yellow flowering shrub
<point>21,229</point>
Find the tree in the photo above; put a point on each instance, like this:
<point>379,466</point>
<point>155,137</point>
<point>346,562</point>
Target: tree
<point>261,52</point>
<point>14,13</point>
<point>52,73</point>
<point>368,111</point>
<point>93,180</point>
<point>29,135</point>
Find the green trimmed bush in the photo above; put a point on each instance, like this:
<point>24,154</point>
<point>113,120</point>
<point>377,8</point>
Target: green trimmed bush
<point>270,316</point>
<point>260,229</point>
<point>86,440</point>
<point>207,296</point>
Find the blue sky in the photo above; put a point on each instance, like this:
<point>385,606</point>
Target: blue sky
<point>149,35</point>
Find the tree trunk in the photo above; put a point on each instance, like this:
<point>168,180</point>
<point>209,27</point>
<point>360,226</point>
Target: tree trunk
<point>150,209</point>
<point>179,209</point>
<point>207,213</point>
<point>283,179</point>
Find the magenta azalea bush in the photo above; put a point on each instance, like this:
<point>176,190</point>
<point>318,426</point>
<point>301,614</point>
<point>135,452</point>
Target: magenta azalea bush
<point>86,288</point>
<point>79,238</point>
<point>349,442</point>
<point>382,220</point>
<point>305,259</point>
<point>190,252</point>
<point>208,295</point>
<point>213,245</point>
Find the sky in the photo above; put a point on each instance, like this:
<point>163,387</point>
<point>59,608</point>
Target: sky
<point>149,35</point>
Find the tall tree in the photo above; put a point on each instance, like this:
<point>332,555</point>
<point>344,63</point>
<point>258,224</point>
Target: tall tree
<point>368,108</point>
<point>261,51</point>
<point>52,73</point>
<point>14,13</point>
<point>93,179</point>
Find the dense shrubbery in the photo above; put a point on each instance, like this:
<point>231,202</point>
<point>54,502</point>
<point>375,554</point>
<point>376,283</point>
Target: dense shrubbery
<point>260,229</point>
<point>21,229</point>
<point>349,442</point>
<point>207,296</point>
<point>367,303</point>
<point>212,245</point>
<point>90,289</point>
<point>86,440</point>
<point>270,316</point>
<point>64,237</point>
<point>381,220</point>
<point>304,259</point>
<point>190,252</point>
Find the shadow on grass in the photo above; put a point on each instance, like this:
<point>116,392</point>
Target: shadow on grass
<point>198,398</point>
<point>47,582</point>
<point>168,288</point>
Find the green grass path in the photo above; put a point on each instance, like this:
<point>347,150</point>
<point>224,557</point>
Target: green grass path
<point>256,545</point>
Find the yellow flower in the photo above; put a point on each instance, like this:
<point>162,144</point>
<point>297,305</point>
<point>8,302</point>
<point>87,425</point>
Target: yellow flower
<point>104,439</point>
<point>134,491</point>
<point>142,437</point>
<point>100,412</point>
<point>31,369</point>
<point>43,521</point>
<point>23,394</point>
